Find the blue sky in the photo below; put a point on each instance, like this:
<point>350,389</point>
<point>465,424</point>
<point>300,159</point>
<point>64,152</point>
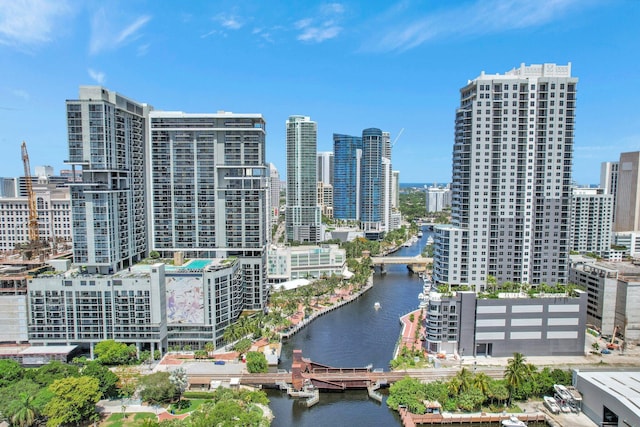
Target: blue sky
<point>348,65</point>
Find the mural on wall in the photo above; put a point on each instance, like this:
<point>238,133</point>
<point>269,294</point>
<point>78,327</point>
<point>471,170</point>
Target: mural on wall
<point>185,299</point>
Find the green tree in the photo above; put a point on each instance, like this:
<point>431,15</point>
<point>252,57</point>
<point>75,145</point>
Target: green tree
<point>110,353</point>
<point>497,391</point>
<point>157,388</point>
<point>470,399</point>
<point>74,401</point>
<point>128,379</point>
<point>516,373</point>
<point>25,414</point>
<point>409,392</point>
<point>10,372</point>
<point>481,382</point>
<point>108,380</point>
<point>10,397</point>
<point>256,362</point>
<point>54,370</point>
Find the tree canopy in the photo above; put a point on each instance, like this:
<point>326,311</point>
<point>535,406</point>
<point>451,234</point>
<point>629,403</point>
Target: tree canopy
<point>111,353</point>
<point>74,401</point>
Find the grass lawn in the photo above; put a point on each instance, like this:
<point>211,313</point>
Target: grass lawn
<point>195,404</point>
<point>131,420</point>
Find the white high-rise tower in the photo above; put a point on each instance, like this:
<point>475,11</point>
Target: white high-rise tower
<point>511,183</point>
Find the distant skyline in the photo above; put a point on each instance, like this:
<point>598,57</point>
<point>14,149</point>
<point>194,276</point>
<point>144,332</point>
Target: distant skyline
<point>349,65</point>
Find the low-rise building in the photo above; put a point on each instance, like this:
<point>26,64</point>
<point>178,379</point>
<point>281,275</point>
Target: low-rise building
<point>543,325</point>
<point>304,262</point>
<point>610,398</point>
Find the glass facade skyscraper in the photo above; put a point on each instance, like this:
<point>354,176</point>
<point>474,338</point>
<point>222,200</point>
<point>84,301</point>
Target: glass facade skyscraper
<point>371,186</point>
<point>346,176</point>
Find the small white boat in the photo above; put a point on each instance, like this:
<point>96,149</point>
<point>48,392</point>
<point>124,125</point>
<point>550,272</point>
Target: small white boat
<point>376,305</point>
<point>551,404</point>
<point>420,234</point>
<point>562,392</point>
<point>430,241</point>
<point>513,421</point>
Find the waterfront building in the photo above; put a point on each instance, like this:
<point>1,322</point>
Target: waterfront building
<point>609,181</point>
<point>346,181</point>
<point>274,193</point>
<point>436,198</point>
<point>303,218</point>
<point>386,145</point>
<point>107,140</point>
<point>467,324</point>
<point>208,191</point>
<point>287,263</point>
<point>609,398</point>
<point>511,186</point>
<point>371,186</point>
<point>54,217</point>
<point>325,167</point>
<point>591,212</point>
<point>395,189</point>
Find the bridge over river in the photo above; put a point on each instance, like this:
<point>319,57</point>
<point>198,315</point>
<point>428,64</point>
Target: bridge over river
<point>323,377</point>
<point>415,264</point>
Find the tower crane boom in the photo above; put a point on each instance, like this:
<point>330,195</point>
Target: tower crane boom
<point>33,210</point>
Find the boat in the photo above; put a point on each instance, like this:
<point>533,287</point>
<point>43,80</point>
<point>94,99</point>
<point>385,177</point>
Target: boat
<point>562,392</point>
<point>551,404</point>
<point>513,421</point>
<point>376,305</point>
<point>430,241</point>
<point>420,234</point>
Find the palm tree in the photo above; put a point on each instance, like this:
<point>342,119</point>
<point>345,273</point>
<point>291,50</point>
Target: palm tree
<point>25,416</point>
<point>516,373</point>
<point>481,382</point>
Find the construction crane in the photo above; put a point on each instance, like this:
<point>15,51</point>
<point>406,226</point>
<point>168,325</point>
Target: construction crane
<point>34,237</point>
<point>397,137</point>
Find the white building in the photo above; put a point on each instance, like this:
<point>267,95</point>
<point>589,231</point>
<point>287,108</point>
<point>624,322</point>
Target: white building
<point>303,216</point>
<point>274,193</point>
<point>609,181</point>
<point>287,263</point>
<point>511,183</point>
<point>54,217</point>
<point>591,221</point>
<point>325,167</point>
<point>437,198</point>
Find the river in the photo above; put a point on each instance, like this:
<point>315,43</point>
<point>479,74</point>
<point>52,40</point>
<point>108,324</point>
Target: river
<point>355,335</point>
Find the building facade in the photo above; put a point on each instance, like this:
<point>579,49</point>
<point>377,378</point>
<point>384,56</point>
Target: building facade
<point>107,136</point>
<point>346,185</point>
<point>436,198</point>
<point>209,191</point>
<point>464,324</point>
<point>274,193</point>
<point>54,217</point>
<point>609,181</point>
<point>325,167</point>
<point>591,221</point>
<point>305,262</point>
<point>303,220</point>
<point>511,186</point>
<point>372,185</point>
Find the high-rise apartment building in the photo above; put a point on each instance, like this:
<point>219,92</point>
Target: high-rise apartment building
<point>591,212</point>
<point>346,180</point>
<point>395,190</point>
<point>436,198</point>
<point>303,219</point>
<point>372,191</point>
<point>609,181</point>
<point>511,183</point>
<point>325,167</point>
<point>107,135</point>
<point>274,192</point>
<point>208,189</point>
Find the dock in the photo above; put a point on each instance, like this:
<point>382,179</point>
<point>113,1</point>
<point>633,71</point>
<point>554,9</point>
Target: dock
<point>413,420</point>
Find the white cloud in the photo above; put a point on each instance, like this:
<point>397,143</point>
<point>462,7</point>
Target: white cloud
<point>20,93</point>
<point>319,34</point>
<point>479,18</point>
<point>29,23</point>
<point>324,28</point>
<point>105,37</point>
<point>98,76</point>
<point>229,22</point>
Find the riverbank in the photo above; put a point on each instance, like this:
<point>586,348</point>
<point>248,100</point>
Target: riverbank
<point>299,322</point>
